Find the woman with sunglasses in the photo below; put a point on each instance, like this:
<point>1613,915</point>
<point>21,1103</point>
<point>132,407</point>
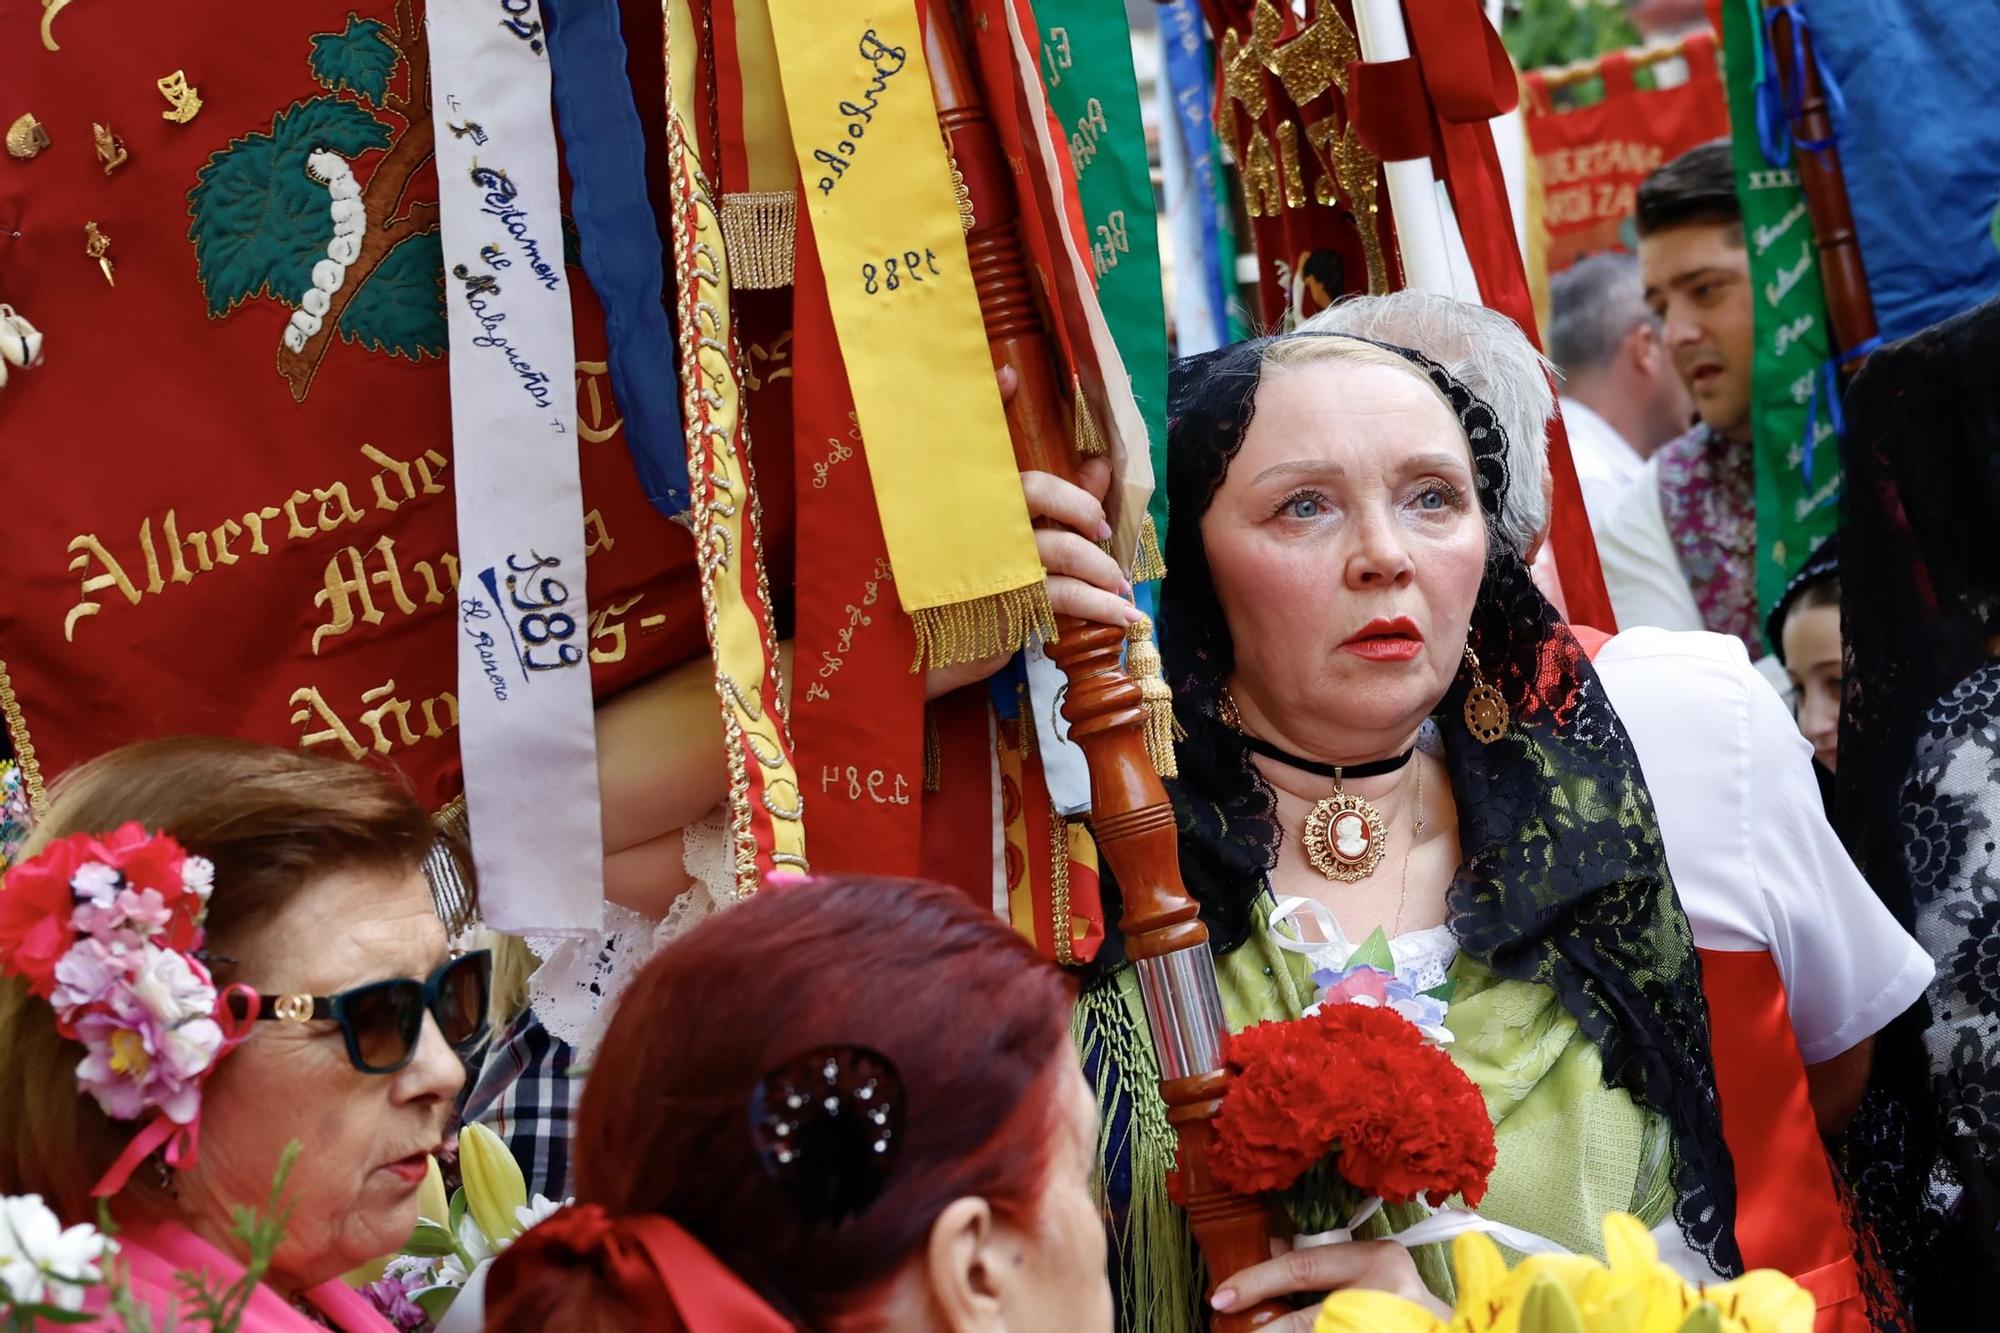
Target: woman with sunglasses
<point>216,936</point>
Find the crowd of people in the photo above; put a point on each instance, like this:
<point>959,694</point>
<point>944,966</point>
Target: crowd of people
<point>1724,957</point>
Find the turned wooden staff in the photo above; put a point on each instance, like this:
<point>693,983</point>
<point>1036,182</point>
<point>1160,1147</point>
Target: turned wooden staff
<point>1130,814</point>
<point>1841,272</point>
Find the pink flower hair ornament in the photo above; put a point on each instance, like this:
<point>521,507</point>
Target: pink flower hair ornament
<point>108,929</point>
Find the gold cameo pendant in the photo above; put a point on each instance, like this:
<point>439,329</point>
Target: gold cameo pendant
<point>1344,838</point>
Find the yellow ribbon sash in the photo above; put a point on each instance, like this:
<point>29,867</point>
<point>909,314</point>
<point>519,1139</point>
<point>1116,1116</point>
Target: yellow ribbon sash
<point>886,218</point>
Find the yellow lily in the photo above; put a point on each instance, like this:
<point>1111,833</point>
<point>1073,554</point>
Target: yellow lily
<point>433,1205</point>
<point>494,1186</point>
<point>1763,1302</point>
<point>1359,1311</point>
<point>1568,1293</point>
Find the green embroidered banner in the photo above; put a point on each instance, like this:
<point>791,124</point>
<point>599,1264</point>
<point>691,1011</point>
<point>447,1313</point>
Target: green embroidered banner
<point>1792,389</point>
<point>1087,70</point>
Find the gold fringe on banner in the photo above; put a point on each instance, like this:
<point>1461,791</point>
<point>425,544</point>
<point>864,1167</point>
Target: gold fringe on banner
<point>761,234</point>
<point>1149,564</point>
<point>1143,665</point>
<point>1090,441</point>
<point>983,627</point>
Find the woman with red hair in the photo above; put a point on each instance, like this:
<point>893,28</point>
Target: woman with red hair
<point>878,1121</point>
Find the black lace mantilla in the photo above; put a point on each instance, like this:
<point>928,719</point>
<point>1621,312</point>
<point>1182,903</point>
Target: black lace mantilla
<point>1565,878</point>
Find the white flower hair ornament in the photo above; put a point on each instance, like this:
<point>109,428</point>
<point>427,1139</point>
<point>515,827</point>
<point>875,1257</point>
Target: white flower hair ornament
<point>108,929</point>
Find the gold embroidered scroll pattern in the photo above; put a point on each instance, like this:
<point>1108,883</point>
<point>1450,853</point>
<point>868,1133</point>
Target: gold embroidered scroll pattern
<point>858,618</point>
<point>837,451</point>
<point>719,512</point>
<point>24,748</point>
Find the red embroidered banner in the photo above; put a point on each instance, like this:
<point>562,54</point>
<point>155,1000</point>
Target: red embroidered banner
<point>207,531</point>
<point>1592,159</point>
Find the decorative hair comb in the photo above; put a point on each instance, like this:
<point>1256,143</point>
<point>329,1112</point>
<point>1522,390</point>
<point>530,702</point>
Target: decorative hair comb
<point>827,1125</point>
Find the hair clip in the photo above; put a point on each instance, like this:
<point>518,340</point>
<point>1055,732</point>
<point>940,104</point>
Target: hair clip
<point>826,1125</point>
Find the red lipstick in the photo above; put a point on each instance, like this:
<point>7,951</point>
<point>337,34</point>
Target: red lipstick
<point>1397,640</point>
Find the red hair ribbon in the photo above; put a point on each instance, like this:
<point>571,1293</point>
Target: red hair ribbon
<point>650,1261</point>
<point>180,1140</point>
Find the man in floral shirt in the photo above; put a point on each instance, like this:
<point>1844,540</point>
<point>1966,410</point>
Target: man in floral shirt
<point>1680,551</point>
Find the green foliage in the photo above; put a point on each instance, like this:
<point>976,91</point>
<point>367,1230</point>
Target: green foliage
<point>360,58</point>
<point>1556,32</point>
<point>1374,952</point>
<point>259,222</point>
<point>400,308</point>
<point>220,1311</point>
<point>261,1234</point>
<point>430,1241</point>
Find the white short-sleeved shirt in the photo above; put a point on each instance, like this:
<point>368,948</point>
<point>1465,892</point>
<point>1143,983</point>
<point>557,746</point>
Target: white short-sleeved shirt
<point>1756,864</point>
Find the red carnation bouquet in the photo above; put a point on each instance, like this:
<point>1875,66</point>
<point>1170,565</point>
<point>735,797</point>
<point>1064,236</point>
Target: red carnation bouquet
<point>1356,1096</point>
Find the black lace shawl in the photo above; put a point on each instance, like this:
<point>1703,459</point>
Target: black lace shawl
<point>1564,880</point>
<point>1921,460</point>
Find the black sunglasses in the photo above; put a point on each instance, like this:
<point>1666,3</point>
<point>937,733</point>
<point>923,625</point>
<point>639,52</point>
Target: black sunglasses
<point>383,1021</point>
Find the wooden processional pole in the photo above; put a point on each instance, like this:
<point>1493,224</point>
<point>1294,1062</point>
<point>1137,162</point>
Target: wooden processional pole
<point>1130,813</point>
<point>1848,305</point>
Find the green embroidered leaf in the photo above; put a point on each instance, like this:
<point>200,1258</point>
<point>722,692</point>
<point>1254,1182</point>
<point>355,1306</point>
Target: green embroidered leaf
<point>258,221</point>
<point>1375,953</point>
<point>400,309</point>
<point>360,58</point>
<point>1444,991</point>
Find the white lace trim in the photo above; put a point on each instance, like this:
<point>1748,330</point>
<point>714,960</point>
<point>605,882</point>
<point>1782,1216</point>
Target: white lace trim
<point>1423,957</point>
<point>577,986</point>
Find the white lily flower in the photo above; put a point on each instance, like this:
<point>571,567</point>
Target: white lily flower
<point>41,1263</point>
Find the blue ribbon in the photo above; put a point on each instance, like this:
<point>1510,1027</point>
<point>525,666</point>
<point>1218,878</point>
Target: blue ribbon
<point>1190,90</point>
<point>604,148</point>
<point>1826,384</point>
<point>1777,108</point>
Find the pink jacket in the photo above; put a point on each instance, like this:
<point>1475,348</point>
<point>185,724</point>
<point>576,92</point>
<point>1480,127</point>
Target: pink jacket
<point>151,1254</point>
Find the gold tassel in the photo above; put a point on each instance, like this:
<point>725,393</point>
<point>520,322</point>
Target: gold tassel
<point>1142,663</point>
<point>933,754</point>
<point>1149,564</point>
<point>761,233</point>
<point>1001,622</point>
<point>1060,930</point>
<point>1090,441</point>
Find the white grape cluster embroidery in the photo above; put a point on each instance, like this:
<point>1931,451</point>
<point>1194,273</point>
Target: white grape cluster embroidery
<point>350,225</point>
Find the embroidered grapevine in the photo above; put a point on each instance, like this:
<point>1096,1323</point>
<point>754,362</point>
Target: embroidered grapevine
<point>285,214</point>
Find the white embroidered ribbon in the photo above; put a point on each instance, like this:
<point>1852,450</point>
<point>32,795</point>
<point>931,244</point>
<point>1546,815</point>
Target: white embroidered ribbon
<point>1444,1225</point>
<point>526,730</point>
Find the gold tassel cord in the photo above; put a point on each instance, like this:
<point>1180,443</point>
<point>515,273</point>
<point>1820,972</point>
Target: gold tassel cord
<point>1143,664</point>
<point>983,627</point>
<point>1090,441</point>
<point>1060,929</point>
<point>1149,564</point>
<point>760,232</point>
<point>933,753</point>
